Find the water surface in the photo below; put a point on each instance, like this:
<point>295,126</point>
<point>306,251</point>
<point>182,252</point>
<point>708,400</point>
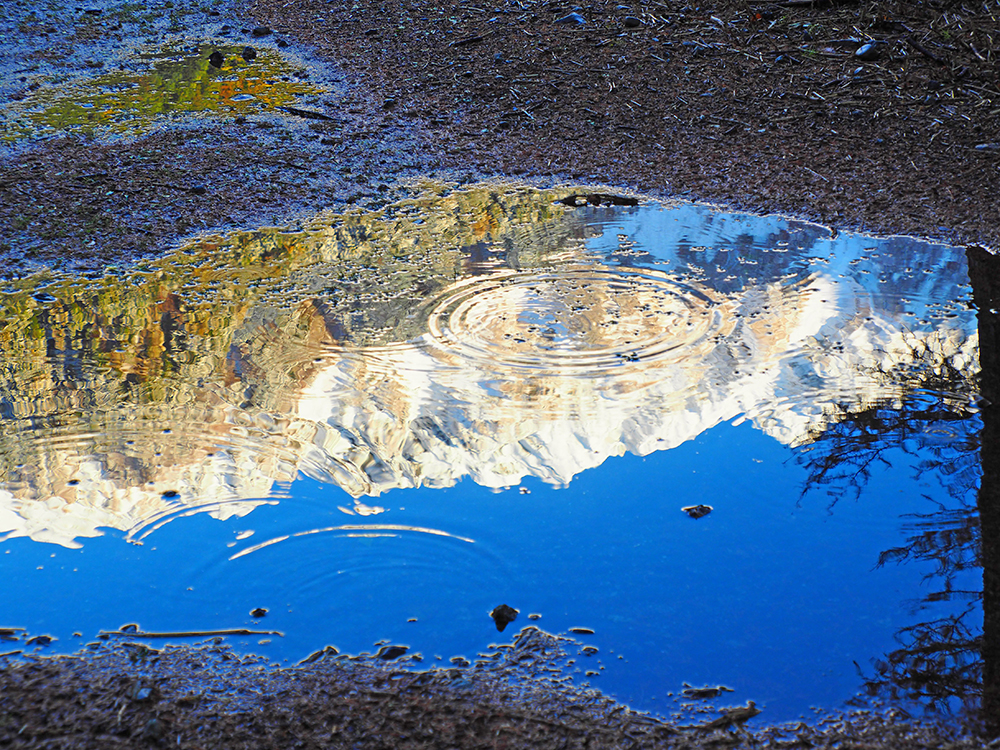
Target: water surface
<point>384,425</point>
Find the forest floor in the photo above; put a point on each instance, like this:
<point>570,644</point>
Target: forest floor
<point>877,116</point>
<point>127,694</point>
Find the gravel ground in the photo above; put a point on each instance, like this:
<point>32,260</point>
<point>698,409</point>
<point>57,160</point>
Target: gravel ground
<point>204,696</point>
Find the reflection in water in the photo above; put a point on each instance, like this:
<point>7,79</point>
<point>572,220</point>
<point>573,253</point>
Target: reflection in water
<point>494,335</point>
<point>938,663</point>
<point>201,385</point>
<point>181,81</point>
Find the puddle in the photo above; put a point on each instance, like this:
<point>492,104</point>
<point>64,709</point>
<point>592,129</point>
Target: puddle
<point>727,450</point>
<point>183,80</point>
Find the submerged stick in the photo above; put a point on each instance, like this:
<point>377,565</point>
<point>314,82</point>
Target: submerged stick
<point>189,633</point>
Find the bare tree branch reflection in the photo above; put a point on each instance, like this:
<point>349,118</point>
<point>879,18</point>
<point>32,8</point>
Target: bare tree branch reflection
<point>939,663</point>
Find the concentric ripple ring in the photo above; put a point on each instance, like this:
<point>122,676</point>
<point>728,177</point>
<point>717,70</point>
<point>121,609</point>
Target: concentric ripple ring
<point>573,320</point>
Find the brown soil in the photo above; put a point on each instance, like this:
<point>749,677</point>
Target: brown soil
<point>759,105</point>
<point>204,696</point>
<point>754,104</point>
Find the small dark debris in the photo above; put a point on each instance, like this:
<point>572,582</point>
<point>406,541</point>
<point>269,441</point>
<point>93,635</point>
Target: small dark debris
<point>282,43</point>
<point>503,616</point>
<point>170,495</point>
<point>631,22</point>
<point>216,59</point>
<point>261,31</point>
<point>467,40</point>
<point>867,52</point>
<point>40,640</point>
<point>534,616</point>
<point>704,693</point>
<point>248,54</point>
<point>258,612</point>
<point>697,511</point>
<point>307,114</point>
<point>581,631</point>
<point>573,18</point>
<point>576,200</point>
<point>322,653</point>
<point>388,653</point>
<point>197,190</point>
<point>589,650</point>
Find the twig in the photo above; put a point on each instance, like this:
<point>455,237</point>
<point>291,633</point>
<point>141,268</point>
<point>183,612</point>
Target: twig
<point>189,633</point>
<point>924,51</point>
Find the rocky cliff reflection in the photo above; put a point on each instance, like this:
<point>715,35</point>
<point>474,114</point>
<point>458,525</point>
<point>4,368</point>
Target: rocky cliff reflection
<point>494,334</point>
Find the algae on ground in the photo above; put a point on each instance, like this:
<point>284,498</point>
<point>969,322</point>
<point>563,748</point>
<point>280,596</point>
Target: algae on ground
<point>182,81</point>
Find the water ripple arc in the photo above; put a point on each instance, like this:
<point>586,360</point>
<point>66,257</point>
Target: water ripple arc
<point>574,321</point>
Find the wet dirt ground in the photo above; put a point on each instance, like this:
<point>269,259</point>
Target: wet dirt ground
<point>874,116</point>
<point>766,106</point>
<point>203,696</point>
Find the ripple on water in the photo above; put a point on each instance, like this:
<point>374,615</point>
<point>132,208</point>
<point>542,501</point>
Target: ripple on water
<point>574,321</point>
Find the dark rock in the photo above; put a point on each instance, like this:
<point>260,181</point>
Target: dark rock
<point>170,495</point>
<point>503,616</point>
<point>321,654</point>
<point>216,59</point>
<point>581,631</point>
<point>282,43</point>
<point>249,53</point>
<point>704,693</point>
<point>598,199</point>
<point>197,190</point>
<point>40,640</point>
<point>631,22</point>
<point>573,18</point>
<point>868,52</point>
<point>261,31</point>
<point>698,511</point>
<point>589,650</point>
<point>534,616</point>
<point>258,612</point>
<point>388,653</point>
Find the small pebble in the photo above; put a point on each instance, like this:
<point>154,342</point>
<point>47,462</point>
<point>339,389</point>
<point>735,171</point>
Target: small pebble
<point>249,53</point>
<point>261,31</point>
<point>698,511</point>
<point>867,52</point>
<point>631,22</point>
<point>573,18</point>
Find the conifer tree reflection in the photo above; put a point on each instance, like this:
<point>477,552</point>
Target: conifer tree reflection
<point>941,662</point>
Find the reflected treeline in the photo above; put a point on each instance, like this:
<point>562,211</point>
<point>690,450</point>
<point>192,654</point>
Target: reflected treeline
<point>949,662</point>
<point>117,393</point>
<point>181,81</point>
<point>483,333</point>
<point>938,663</point>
